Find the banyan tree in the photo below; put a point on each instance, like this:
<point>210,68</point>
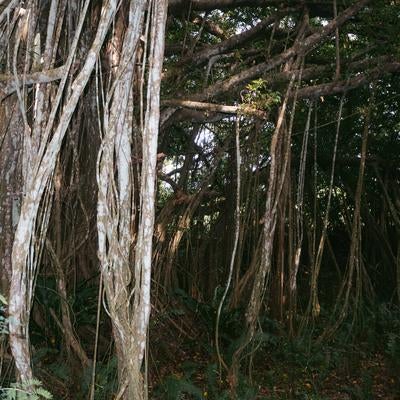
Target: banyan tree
<point>238,153</point>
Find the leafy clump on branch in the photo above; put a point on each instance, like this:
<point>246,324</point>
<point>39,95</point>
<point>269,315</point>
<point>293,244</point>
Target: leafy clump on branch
<point>257,96</point>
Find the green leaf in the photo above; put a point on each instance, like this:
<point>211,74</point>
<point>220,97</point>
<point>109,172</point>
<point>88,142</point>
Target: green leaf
<point>3,299</point>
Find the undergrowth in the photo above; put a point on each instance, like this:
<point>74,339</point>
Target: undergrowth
<point>290,368</point>
<point>281,368</point>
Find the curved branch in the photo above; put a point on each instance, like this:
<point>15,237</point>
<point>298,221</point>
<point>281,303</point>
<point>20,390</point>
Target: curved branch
<point>205,111</point>
<point>317,8</point>
<point>236,40</point>
<point>345,85</point>
<point>300,48</point>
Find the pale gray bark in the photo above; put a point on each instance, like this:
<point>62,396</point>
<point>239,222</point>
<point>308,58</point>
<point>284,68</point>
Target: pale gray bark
<point>41,166</point>
<point>150,138</point>
<point>128,294</point>
<point>114,207</point>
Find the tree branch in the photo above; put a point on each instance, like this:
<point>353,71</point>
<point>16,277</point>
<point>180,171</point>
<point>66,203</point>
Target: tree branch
<point>319,71</point>
<point>210,26</point>
<point>8,84</point>
<point>204,55</point>
<point>299,48</point>
<point>179,6</point>
<point>344,85</point>
<point>211,107</point>
<point>320,8</point>
<point>206,111</point>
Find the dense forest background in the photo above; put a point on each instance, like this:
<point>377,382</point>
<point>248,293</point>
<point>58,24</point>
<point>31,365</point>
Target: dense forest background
<point>199,199</point>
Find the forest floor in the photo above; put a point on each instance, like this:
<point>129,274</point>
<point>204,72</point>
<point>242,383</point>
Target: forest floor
<point>184,367</point>
<point>183,364</point>
<point>367,378</point>
<point>359,377</point>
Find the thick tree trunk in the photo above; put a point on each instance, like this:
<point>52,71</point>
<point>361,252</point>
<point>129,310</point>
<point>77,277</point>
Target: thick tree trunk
<point>128,293</point>
<point>10,188</point>
<point>39,167</point>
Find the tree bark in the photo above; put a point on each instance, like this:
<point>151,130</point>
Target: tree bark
<point>40,169</point>
<point>128,292</point>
